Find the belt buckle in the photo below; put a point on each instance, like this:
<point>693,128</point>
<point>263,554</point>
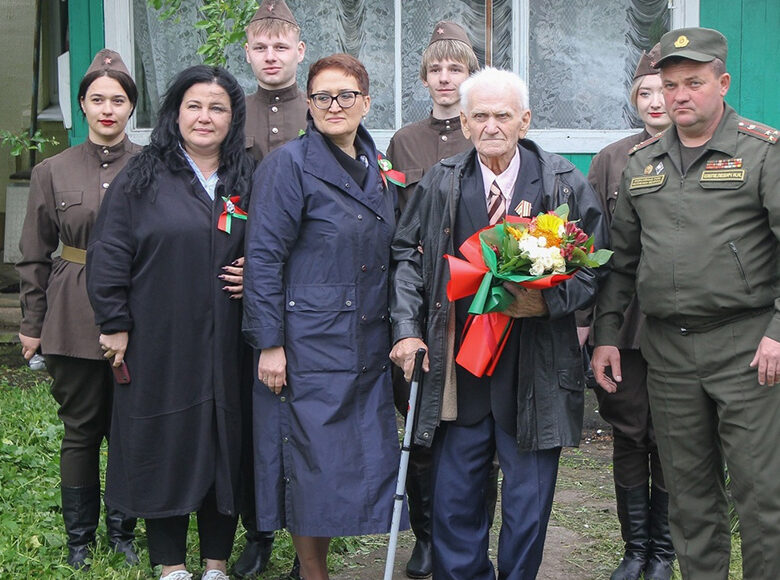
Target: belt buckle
<point>684,331</point>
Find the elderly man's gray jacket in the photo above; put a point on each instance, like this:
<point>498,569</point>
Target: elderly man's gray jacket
<point>550,391</point>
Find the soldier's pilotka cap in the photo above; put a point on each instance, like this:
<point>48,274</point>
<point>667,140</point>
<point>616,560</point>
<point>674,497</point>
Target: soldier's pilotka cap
<point>446,30</point>
<point>699,44</point>
<point>107,59</point>
<point>646,62</point>
<point>274,9</point>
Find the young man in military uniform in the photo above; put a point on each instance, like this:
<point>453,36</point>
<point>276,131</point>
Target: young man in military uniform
<point>276,113</point>
<point>696,231</point>
<point>448,60</point>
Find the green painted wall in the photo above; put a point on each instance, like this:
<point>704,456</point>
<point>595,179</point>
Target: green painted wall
<point>754,48</point>
<point>85,27</point>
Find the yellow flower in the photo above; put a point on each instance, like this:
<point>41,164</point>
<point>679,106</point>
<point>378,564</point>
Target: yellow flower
<point>549,226</point>
<point>516,233</point>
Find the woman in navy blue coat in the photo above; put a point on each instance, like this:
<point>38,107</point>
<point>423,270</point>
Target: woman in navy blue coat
<point>316,311</point>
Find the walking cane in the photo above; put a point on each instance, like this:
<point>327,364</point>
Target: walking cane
<point>400,486</point>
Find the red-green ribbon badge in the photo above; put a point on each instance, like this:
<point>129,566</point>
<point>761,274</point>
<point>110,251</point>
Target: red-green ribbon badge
<point>389,174</point>
<point>231,211</point>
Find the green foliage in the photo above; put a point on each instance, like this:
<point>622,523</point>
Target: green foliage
<point>32,536</point>
<point>222,24</point>
<point>22,142</point>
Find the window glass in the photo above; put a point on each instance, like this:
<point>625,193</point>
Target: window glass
<point>581,54</point>
<point>582,59</point>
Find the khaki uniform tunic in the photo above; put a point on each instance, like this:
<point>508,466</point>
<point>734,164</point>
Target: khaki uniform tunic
<point>604,175</point>
<point>65,193</point>
<point>273,118</point>
<point>416,148</point>
<point>701,246</point>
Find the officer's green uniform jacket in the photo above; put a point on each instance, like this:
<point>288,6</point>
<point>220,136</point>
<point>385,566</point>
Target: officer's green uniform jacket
<point>700,248</point>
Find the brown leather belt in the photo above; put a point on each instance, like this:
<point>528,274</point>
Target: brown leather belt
<point>75,255</point>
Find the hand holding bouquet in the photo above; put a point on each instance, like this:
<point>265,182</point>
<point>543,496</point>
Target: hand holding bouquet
<point>536,253</point>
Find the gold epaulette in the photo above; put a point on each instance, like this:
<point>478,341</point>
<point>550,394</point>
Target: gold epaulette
<point>763,132</point>
<point>645,143</point>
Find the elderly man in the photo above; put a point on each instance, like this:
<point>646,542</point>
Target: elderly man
<point>532,404</point>
<point>695,232</point>
<point>414,149</point>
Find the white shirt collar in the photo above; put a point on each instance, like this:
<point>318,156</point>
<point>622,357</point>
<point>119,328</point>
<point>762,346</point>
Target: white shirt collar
<point>210,184</point>
<point>506,180</point>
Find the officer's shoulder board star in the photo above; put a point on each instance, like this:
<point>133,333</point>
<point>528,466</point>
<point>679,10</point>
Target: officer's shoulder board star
<point>763,132</point>
<point>645,143</point>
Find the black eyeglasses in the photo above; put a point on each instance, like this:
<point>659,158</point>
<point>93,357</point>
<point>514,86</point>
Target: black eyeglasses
<point>345,99</point>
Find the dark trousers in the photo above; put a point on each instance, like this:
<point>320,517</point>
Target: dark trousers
<point>463,456</point>
<point>634,452</point>
<point>167,537</point>
<point>83,388</point>
<point>709,410</point>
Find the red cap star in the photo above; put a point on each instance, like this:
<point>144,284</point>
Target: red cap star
<point>107,60</point>
<point>439,31</point>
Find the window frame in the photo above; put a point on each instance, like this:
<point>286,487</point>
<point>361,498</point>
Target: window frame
<point>119,34</point>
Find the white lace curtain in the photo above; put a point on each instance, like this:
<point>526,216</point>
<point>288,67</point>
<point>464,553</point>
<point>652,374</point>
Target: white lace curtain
<point>582,53</point>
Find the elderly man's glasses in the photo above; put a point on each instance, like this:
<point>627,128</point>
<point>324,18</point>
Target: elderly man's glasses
<point>345,99</point>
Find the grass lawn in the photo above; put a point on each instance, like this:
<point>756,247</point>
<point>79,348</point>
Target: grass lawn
<point>32,535</point>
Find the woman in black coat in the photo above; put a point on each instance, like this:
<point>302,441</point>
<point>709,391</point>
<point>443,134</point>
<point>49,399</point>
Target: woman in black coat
<point>164,278</point>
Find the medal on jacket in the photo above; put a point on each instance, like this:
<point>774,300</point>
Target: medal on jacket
<point>231,211</point>
<point>388,173</point>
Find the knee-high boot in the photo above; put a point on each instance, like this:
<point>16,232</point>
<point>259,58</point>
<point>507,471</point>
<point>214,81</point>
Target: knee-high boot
<point>633,508</point>
<point>121,533</point>
<point>80,512</point>
<point>660,549</point>
<point>419,483</point>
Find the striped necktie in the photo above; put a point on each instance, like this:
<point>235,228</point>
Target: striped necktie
<point>496,204</point>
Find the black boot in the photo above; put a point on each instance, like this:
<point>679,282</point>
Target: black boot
<point>80,512</point>
<point>633,508</point>
<point>660,550</point>
<point>121,533</point>
<point>257,552</point>
<point>418,489</point>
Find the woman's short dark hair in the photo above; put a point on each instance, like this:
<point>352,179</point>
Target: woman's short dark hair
<point>235,164</point>
<point>124,80</point>
<point>346,63</point>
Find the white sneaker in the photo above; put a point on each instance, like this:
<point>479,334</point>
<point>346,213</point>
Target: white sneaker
<point>214,575</point>
<point>177,575</point>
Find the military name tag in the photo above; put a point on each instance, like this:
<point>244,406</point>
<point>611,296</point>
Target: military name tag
<point>723,175</point>
<point>646,181</point>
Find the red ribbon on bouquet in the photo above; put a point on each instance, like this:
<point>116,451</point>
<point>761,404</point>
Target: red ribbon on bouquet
<point>485,334</point>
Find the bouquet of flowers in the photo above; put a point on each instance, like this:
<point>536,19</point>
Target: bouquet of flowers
<point>536,253</point>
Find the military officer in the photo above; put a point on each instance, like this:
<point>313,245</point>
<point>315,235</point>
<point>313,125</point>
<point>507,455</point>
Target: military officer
<point>448,60</point>
<point>276,113</point>
<point>695,231</point>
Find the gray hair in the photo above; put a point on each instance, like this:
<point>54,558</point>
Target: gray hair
<point>499,81</point>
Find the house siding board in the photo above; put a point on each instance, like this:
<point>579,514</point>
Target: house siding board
<point>85,22</point>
